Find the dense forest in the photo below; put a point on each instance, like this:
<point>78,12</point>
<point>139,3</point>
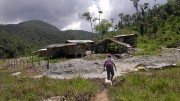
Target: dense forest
<point>159,26</point>
<point>26,37</point>
<point>156,26</point>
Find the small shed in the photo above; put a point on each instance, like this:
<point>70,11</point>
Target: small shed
<point>130,39</point>
<point>110,46</point>
<point>65,50</point>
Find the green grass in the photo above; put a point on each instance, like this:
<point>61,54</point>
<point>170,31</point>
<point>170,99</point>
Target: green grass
<point>161,85</point>
<point>28,89</point>
<point>2,61</point>
<point>36,59</point>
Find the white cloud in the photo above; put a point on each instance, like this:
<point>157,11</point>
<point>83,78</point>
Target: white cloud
<point>73,26</point>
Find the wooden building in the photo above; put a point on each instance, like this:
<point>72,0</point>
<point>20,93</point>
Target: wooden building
<point>130,39</point>
<point>110,46</point>
<point>65,50</point>
<point>72,48</point>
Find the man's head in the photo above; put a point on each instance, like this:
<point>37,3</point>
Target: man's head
<point>109,55</point>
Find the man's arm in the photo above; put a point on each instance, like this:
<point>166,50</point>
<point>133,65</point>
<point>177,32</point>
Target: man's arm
<point>104,65</point>
<point>114,66</point>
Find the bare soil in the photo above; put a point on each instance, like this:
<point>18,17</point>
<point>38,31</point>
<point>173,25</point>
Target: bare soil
<point>101,96</point>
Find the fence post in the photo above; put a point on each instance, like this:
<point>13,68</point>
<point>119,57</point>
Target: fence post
<point>39,61</point>
<point>48,63</point>
<point>16,63</point>
<point>27,62</point>
<point>32,62</point>
<point>23,63</point>
<point>20,62</point>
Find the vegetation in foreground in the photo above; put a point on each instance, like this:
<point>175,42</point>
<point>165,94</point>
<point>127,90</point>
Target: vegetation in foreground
<point>29,89</point>
<point>161,85</point>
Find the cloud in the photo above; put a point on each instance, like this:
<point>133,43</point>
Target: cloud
<point>64,14</point>
<point>73,26</point>
<point>57,12</point>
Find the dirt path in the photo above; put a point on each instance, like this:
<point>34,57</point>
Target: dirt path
<point>102,96</point>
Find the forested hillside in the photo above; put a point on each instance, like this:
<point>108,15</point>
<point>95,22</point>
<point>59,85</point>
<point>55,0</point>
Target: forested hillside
<point>23,38</point>
<point>156,26</point>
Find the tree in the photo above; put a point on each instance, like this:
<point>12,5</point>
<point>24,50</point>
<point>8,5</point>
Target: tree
<point>120,25</point>
<point>89,18</point>
<point>135,2</point>
<point>103,26</point>
<point>127,19</point>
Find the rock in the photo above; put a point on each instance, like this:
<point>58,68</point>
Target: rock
<point>16,74</point>
<point>56,98</point>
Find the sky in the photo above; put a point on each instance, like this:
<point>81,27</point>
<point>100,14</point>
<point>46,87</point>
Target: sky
<point>65,14</point>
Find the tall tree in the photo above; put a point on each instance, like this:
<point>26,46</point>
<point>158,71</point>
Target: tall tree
<point>120,25</point>
<point>135,2</point>
<point>103,26</point>
<point>127,19</point>
<point>89,18</point>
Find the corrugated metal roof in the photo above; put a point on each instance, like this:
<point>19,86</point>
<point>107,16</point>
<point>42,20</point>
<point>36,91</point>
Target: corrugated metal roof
<point>121,43</point>
<point>125,35</point>
<point>80,41</point>
<point>60,45</point>
<point>42,49</point>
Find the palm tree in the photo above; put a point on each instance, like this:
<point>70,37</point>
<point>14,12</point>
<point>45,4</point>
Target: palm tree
<point>89,18</point>
<point>135,2</point>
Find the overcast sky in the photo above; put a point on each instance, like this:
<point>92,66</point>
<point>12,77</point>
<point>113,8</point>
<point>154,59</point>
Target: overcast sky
<point>65,14</point>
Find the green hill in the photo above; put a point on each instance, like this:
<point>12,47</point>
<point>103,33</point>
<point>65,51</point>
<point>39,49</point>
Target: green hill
<point>23,38</point>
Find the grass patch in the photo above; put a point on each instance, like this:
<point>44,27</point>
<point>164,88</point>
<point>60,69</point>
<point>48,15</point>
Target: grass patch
<point>161,85</point>
<point>28,89</point>
<point>37,59</point>
<point>2,61</point>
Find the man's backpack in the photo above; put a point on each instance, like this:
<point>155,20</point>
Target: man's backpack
<point>109,63</point>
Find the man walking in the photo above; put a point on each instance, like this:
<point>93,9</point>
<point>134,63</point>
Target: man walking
<point>109,64</point>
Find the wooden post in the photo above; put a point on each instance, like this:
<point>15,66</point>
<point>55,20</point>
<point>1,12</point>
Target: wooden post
<point>8,63</point>
<point>32,62</point>
<point>11,62</point>
<point>16,63</point>
<point>20,62</point>
<point>48,63</point>
<point>23,63</point>
<point>39,61</point>
<point>27,62</point>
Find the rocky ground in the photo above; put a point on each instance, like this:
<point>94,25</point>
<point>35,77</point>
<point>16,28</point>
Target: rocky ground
<point>93,69</point>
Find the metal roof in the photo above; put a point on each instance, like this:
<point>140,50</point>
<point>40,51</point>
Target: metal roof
<point>120,43</point>
<point>80,41</point>
<point>60,45</point>
<point>125,35</point>
<point>42,49</point>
